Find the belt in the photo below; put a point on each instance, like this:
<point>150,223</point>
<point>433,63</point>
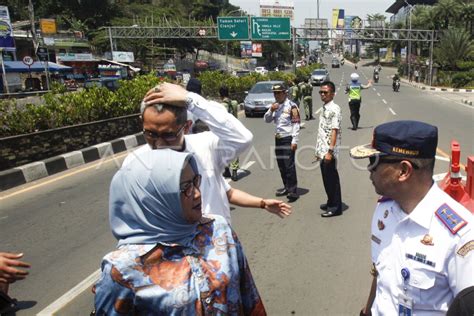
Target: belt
<point>280,135</point>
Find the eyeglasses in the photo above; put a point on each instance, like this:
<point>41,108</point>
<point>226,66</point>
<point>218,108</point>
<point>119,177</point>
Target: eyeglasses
<point>324,92</point>
<point>167,137</point>
<point>375,161</point>
<point>187,188</point>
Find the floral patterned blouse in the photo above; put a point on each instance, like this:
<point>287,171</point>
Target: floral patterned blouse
<point>211,279</point>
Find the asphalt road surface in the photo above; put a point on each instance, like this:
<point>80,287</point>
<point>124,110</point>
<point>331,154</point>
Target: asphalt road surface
<point>303,265</point>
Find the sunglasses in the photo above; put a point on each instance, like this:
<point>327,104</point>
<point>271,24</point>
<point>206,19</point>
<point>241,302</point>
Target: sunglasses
<point>167,137</point>
<point>324,92</point>
<point>187,188</point>
<point>375,161</point>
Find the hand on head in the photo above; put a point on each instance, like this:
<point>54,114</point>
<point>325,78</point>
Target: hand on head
<point>167,93</point>
<point>9,264</point>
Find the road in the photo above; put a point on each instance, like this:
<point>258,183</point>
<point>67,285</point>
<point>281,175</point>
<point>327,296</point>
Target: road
<point>304,265</point>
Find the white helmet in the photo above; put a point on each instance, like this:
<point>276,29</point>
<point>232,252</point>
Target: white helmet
<point>354,76</point>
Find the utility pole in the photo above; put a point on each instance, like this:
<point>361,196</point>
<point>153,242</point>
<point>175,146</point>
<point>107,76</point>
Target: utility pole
<point>31,11</point>
<point>317,9</point>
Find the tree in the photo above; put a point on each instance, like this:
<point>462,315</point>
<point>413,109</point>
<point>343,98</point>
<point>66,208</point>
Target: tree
<point>455,45</point>
<point>447,11</point>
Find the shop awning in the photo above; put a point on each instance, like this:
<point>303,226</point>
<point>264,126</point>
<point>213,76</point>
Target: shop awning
<point>38,66</point>
<point>134,69</point>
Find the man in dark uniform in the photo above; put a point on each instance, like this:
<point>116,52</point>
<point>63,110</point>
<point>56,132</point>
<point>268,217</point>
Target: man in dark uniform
<point>285,114</point>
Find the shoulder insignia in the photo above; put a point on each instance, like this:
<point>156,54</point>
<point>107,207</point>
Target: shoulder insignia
<point>295,114</point>
<point>466,248</point>
<point>383,199</point>
<point>450,218</point>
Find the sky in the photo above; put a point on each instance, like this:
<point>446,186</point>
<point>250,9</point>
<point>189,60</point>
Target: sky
<point>308,9</point>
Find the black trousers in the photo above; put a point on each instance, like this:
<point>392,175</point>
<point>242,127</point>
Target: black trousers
<point>354,106</point>
<point>286,163</point>
<point>331,182</point>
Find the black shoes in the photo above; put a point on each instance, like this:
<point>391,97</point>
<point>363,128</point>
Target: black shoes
<point>281,192</point>
<point>292,197</point>
<point>324,207</point>
<point>331,211</point>
<point>226,173</point>
<point>234,175</point>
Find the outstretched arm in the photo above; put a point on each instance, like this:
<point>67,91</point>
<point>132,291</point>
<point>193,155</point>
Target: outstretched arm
<point>244,199</point>
<point>9,265</point>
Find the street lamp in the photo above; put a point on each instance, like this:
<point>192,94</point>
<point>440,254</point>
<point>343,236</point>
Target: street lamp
<point>409,37</point>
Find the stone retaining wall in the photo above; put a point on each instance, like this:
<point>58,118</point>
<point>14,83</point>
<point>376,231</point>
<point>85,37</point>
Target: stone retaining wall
<point>22,149</point>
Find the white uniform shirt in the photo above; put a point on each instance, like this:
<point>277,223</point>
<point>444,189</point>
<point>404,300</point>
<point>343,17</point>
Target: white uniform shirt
<point>282,119</point>
<point>441,263</point>
<point>329,119</point>
<point>213,150</point>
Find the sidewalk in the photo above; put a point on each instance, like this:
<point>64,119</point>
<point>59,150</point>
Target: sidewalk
<point>465,96</point>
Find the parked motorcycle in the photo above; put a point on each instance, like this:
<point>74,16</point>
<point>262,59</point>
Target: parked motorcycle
<point>396,85</point>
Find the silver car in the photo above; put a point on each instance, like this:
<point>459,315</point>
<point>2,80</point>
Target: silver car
<point>319,76</point>
<point>259,98</point>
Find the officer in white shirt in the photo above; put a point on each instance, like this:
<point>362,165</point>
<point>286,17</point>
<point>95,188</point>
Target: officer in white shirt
<point>422,240</point>
<point>165,125</point>
<point>286,116</point>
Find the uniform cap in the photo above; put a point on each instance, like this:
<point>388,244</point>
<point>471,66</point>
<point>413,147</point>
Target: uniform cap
<point>407,139</point>
<point>279,87</point>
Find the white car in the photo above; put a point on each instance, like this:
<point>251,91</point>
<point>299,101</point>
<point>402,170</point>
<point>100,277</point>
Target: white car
<point>261,70</point>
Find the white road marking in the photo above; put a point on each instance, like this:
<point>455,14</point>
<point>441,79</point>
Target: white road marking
<point>302,124</point>
<point>442,158</point>
<point>4,217</point>
<point>317,112</point>
<point>247,165</point>
<point>378,94</point>
<point>374,89</point>
<point>383,100</point>
<point>70,295</point>
<point>392,111</point>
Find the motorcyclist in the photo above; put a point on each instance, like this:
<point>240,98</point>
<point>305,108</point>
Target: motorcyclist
<point>376,73</point>
<point>395,82</point>
<point>354,89</point>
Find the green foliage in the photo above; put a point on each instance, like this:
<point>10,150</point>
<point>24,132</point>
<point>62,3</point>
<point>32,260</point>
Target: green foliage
<point>463,79</point>
<point>455,45</point>
<point>465,65</point>
<point>62,108</point>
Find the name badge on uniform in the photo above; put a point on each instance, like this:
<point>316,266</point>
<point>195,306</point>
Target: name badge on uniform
<point>405,305</point>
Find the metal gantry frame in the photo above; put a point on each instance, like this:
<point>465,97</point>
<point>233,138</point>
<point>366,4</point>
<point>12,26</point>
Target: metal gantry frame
<point>316,34</point>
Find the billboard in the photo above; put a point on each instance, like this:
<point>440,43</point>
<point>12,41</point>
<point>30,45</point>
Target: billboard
<point>123,57</point>
<point>257,50</point>
<point>312,26</point>
<point>338,18</point>
<point>245,49</point>
<point>48,26</point>
<point>277,8</point>
<point>6,30</point>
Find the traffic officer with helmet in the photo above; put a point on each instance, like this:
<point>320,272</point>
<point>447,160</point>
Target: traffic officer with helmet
<point>285,114</point>
<point>354,89</point>
<point>422,240</point>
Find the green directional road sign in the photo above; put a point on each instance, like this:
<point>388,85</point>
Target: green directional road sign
<point>270,28</point>
<point>231,28</point>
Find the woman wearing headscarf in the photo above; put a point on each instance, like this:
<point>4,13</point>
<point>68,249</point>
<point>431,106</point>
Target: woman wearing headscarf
<point>170,260</point>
